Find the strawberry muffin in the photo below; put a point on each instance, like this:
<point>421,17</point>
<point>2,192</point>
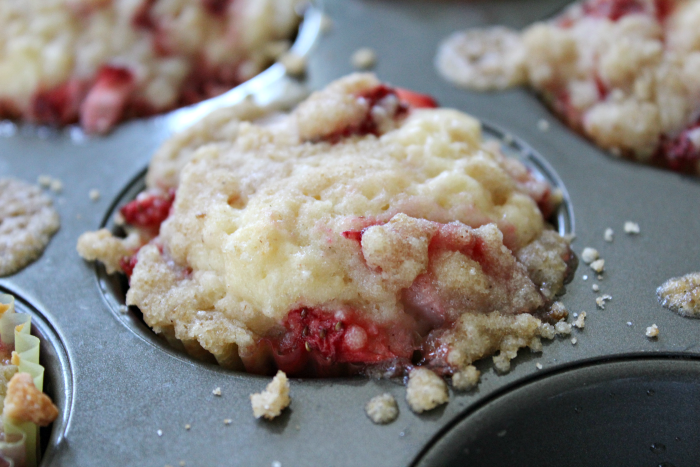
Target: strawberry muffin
<point>100,61</point>
<point>625,73</point>
<point>365,231</point>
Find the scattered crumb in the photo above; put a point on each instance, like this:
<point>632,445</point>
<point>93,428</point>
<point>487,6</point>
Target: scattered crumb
<point>382,409</point>
<point>574,341</point>
<point>293,63</point>
<point>562,328</point>
<point>598,265</point>
<point>188,426</point>
<point>652,331</point>
<point>182,463</point>
<point>425,390</point>
<point>585,277</point>
<point>123,309</point>
<point>588,255</point>
<point>363,59</point>
<point>580,321</point>
<point>44,181</point>
<point>274,399</point>
<point>600,301</point>
<point>595,287</point>
<point>631,228</point>
<point>159,432</point>
<point>543,125</point>
<point>466,379</point>
<point>94,194</point>
<point>538,365</point>
<point>681,294</point>
<point>227,421</point>
<point>629,323</point>
<point>507,139</point>
<point>56,185</point>
<point>217,391</point>
<point>600,277</point>
<point>609,235</point>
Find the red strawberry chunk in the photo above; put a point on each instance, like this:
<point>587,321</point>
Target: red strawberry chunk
<point>104,104</point>
<point>148,212</point>
<point>128,263</point>
<point>613,9</point>
<point>416,100</point>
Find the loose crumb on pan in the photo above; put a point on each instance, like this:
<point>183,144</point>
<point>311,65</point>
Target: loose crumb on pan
<point>425,390</point>
<point>580,320</point>
<point>595,287</point>
<point>382,409</point>
<point>326,23</point>
<point>600,301</point>
<point>681,294</point>
<point>598,265</point>
<point>631,228</point>
<point>538,365</point>
<point>217,391</point>
<point>585,277</point>
<point>274,399</point>
<point>188,426</point>
<point>466,379</point>
<point>94,194</point>
<point>159,433</point>
<point>227,421</point>
<point>363,58</point>
<point>562,328</point>
<point>652,331</point>
<point>56,185</point>
<point>588,255</point>
<point>574,341</point>
<point>293,63</point>
<point>543,125</point>
<point>609,235</point>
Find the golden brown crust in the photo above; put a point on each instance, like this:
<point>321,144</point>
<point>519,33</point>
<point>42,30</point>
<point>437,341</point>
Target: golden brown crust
<point>25,403</point>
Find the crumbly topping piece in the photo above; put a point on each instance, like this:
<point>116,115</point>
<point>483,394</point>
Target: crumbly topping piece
<point>293,63</point>
<point>681,294</point>
<point>580,320</point>
<point>110,250</point>
<point>609,235</point>
<point>27,222</point>
<point>273,400</point>
<point>483,59</point>
<point>216,391</point>
<point>363,59</point>
<point>562,328</point>
<point>425,390</point>
<point>600,301</point>
<point>595,288</point>
<point>25,403</point>
<point>598,265</point>
<point>588,255</point>
<point>94,194</point>
<point>466,379</point>
<point>652,331</point>
<point>631,228</point>
<point>382,409</point>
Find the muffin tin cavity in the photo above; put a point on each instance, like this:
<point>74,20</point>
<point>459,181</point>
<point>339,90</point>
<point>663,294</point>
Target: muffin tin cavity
<point>58,376</point>
<point>635,411</point>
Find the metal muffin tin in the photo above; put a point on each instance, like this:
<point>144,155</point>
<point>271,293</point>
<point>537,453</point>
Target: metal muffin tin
<point>126,397</point>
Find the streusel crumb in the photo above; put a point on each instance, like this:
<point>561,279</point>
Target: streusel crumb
<point>382,409</point>
<point>425,390</point>
<point>25,403</point>
<point>682,295</point>
<point>273,400</point>
<point>466,379</point>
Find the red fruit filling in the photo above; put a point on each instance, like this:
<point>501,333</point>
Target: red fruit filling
<point>679,153</point>
<point>216,7</point>
<point>148,212</point>
<point>104,105</point>
<point>613,9</point>
<point>128,263</point>
<point>380,97</point>
<point>322,343</point>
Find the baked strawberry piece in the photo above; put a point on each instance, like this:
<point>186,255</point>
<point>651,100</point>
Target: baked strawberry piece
<point>625,73</point>
<point>99,62</point>
<point>365,231</point>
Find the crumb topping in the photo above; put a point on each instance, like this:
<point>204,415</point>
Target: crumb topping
<point>28,220</point>
<point>425,390</point>
<point>681,294</point>
<point>382,409</point>
<point>25,403</point>
<point>273,400</point>
<point>652,331</point>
